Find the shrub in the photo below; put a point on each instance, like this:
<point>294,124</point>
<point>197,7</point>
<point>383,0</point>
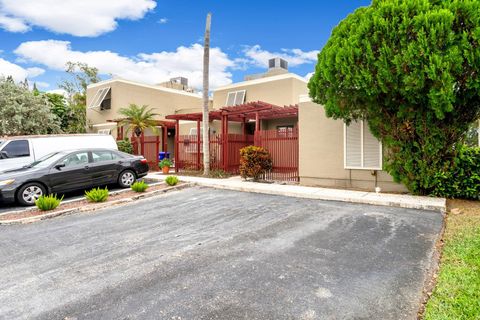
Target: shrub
<point>171,180</point>
<point>165,163</point>
<point>254,162</point>
<point>411,69</point>
<point>125,145</point>
<point>46,203</point>
<point>139,186</point>
<point>460,179</point>
<point>97,195</point>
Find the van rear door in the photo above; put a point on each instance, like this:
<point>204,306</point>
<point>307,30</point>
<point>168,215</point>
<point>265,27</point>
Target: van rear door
<point>15,154</point>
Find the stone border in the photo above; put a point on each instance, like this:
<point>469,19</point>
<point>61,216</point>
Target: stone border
<point>319,193</point>
<point>93,207</point>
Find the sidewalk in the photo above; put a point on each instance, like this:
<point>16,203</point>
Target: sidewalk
<point>382,199</point>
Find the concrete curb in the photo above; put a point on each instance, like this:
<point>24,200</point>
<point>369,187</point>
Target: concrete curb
<point>362,197</point>
<point>93,207</point>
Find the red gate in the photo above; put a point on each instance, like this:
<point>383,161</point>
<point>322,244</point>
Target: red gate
<point>282,145</point>
<point>190,153</point>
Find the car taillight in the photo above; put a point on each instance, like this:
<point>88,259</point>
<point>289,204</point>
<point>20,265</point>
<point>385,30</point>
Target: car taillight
<point>144,161</point>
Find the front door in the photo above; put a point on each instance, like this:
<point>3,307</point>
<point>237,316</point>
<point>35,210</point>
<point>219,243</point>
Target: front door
<point>75,174</point>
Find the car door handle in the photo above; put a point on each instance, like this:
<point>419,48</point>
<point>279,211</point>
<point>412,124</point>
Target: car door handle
<point>86,167</point>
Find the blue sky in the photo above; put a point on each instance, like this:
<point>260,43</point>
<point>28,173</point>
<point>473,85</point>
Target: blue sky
<point>150,41</point>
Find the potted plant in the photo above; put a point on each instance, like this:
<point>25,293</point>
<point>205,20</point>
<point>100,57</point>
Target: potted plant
<point>165,165</point>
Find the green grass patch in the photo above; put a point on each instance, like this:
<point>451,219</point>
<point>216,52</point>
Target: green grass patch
<point>457,293</point>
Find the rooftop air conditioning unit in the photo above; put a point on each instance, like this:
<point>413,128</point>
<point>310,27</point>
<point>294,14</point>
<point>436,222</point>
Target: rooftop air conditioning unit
<point>277,63</point>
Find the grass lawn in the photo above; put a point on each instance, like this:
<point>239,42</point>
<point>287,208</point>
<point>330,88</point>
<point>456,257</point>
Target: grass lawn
<point>457,293</point>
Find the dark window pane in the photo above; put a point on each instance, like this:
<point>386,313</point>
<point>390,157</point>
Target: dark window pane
<point>17,148</point>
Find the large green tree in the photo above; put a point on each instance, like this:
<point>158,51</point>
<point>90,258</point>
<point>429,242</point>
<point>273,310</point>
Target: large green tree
<point>80,76</point>
<point>411,69</point>
<point>24,113</point>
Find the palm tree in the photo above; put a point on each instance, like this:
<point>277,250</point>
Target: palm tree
<point>205,120</point>
<point>138,119</point>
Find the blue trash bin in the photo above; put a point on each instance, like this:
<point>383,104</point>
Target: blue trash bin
<point>162,155</point>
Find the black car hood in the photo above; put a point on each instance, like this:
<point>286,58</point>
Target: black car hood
<point>12,173</point>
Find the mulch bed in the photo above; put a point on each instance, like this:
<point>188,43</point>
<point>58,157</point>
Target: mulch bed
<point>81,204</point>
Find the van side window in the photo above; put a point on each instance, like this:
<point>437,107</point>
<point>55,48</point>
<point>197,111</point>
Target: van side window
<point>17,149</point>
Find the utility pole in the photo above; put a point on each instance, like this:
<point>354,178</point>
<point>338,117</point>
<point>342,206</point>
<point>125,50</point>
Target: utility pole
<point>205,118</point>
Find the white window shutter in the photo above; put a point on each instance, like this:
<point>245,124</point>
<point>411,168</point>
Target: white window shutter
<point>240,97</point>
<point>371,149</point>
<point>353,145</point>
<point>231,99</point>
<point>99,97</point>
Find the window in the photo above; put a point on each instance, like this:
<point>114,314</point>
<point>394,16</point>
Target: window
<point>103,155</point>
<point>104,131</point>
<point>285,130</point>
<point>361,149</point>
<point>101,99</point>
<point>236,97</point>
<point>17,149</point>
<point>76,159</point>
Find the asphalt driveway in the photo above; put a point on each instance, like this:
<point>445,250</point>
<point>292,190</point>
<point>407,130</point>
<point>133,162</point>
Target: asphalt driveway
<point>211,254</point>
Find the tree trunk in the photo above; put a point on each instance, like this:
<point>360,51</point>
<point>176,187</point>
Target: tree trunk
<point>205,119</point>
<point>138,145</point>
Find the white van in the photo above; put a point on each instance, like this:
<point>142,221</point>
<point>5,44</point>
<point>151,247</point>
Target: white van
<point>16,152</point>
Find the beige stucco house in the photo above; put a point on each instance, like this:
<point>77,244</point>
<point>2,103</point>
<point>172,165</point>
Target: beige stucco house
<point>330,154</point>
<point>106,98</point>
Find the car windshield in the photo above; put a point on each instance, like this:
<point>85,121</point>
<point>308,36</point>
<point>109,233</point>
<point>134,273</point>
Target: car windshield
<point>47,160</point>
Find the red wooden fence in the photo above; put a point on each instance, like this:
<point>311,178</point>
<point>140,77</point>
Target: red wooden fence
<point>283,146</point>
<point>149,148</point>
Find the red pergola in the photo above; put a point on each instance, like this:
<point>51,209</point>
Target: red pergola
<point>257,110</point>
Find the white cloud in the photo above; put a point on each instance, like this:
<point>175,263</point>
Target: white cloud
<point>17,72</point>
<point>58,91</point>
<point>163,20</point>
<point>12,24</point>
<point>10,69</point>
<point>295,57</point>
<point>41,84</point>
<point>35,72</point>
<point>148,68</point>
<point>79,18</point>
<point>309,75</point>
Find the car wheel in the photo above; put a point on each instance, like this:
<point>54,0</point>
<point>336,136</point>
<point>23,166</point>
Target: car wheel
<point>29,193</point>
<point>126,178</point>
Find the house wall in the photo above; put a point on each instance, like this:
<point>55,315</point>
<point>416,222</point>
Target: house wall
<point>163,101</point>
<point>278,90</point>
<point>321,149</point>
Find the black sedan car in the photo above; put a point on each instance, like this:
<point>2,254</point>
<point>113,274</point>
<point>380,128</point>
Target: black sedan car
<point>66,171</point>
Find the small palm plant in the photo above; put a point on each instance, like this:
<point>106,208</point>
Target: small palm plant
<point>138,119</point>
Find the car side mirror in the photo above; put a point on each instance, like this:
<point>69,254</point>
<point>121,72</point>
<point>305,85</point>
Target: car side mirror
<point>3,155</point>
<point>59,166</point>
